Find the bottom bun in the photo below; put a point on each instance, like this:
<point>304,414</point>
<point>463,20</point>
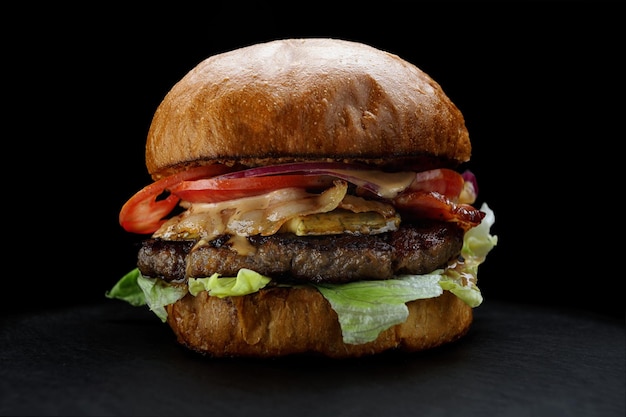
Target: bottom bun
<point>282,321</point>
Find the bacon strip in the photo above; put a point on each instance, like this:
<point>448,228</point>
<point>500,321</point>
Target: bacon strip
<point>433,205</point>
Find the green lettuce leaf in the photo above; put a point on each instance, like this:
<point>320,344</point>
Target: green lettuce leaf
<point>366,308</point>
<point>127,289</point>
<point>138,290</point>
<point>159,293</point>
<point>246,282</point>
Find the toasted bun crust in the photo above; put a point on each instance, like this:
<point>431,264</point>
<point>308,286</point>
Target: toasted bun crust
<point>287,321</point>
<point>304,99</point>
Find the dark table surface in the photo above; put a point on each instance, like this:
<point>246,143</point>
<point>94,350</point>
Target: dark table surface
<point>114,359</point>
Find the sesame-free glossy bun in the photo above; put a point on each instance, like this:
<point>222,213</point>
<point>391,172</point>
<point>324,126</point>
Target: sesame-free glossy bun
<point>283,321</point>
<point>305,99</point>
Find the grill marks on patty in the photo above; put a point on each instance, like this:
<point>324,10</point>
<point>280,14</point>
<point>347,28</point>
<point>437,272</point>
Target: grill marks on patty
<point>413,249</point>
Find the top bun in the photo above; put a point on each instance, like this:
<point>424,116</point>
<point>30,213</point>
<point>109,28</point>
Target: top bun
<point>301,100</point>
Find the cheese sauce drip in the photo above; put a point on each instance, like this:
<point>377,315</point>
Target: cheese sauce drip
<point>388,184</point>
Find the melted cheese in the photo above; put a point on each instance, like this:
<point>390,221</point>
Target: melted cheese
<point>263,214</point>
<point>290,209</point>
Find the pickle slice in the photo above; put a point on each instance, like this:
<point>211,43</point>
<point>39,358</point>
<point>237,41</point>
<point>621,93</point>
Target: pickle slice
<point>341,221</point>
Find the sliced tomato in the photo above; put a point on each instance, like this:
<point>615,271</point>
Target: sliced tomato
<point>443,181</point>
<point>145,211</point>
<point>432,205</point>
<point>434,193</point>
<point>212,190</point>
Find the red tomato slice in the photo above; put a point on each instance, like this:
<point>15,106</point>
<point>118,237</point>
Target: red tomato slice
<point>212,190</point>
<point>144,212</point>
<point>443,181</point>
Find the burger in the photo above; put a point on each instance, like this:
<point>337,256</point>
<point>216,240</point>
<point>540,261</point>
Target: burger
<point>308,199</point>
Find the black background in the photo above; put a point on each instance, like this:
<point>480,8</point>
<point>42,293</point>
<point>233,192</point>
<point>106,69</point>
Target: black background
<point>540,85</point>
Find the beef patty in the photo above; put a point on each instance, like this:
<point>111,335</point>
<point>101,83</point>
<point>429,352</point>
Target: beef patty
<point>413,249</point>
